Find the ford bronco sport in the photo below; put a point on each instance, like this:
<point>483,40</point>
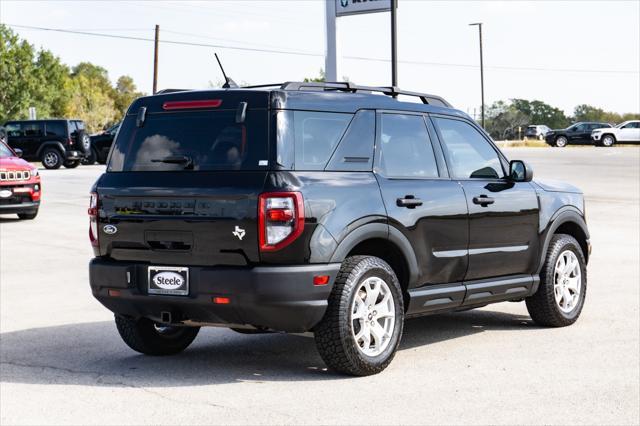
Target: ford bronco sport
<point>327,208</point>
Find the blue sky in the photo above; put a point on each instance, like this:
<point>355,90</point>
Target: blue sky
<point>532,48</point>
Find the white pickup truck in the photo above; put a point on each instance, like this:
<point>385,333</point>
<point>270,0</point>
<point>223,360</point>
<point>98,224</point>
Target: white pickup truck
<point>626,132</point>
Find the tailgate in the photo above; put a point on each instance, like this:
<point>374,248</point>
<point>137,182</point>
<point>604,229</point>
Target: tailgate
<point>177,218</point>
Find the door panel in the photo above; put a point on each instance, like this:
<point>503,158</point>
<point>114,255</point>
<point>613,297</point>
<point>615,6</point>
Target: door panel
<point>503,215</point>
<point>437,229</point>
<point>503,236</point>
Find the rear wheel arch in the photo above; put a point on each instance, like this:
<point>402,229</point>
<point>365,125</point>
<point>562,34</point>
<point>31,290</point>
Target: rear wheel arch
<point>386,243</point>
<point>50,144</point>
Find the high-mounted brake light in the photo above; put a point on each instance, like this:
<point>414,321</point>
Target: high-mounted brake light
<point>93,220</point>
<point>280,219</point>
<point>207,103</point>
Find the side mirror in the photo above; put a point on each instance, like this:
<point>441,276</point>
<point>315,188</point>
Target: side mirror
<point>519,171</point>
<point>18,152</point>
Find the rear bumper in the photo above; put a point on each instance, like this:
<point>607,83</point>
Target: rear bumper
<point>281,298</point>
<point>73,155</point>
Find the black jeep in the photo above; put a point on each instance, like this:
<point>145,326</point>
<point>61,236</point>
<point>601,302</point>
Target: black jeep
<point>327,208</point>
<point>54,142</point>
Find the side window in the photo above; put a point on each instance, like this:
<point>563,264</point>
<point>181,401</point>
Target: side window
<point>14,130</point>
<point>634,125</point>
<point>470,155</point>
<point>32,129</point>
<point>314,136</point>
<point>56,128</point>
<point>73,129</point>
<point>355,151</point>
<point>405,147</point>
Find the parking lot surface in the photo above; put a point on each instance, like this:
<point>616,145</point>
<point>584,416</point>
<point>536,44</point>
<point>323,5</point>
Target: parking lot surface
<point>62,360</point>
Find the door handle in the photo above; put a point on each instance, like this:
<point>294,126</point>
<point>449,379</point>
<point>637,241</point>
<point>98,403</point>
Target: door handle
<point>409,201</point>
<point>483,200</point>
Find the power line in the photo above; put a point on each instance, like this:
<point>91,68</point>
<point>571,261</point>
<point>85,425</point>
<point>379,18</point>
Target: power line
<point>312,54</point>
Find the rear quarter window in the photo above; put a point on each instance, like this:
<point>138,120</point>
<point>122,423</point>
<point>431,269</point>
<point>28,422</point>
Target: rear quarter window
<point>56,128</point>
<point>313,135</point>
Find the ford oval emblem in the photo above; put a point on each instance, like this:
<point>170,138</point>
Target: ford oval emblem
<point>110,229</point>
<point>168,280</point>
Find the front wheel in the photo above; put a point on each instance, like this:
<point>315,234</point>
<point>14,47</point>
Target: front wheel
<point>145,336</point>
<point>563,284</point>
<point>361,329</point>
<point>561,141</point>
<point>91,158</point>
<point>71,164</point>
<point>608,140</point>
<point>51,158</point>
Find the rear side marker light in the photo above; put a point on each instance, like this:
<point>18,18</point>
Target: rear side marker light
<point>221,300</point>
<point>208,103</point>
<point>114,293</point>
<point>321,280</point>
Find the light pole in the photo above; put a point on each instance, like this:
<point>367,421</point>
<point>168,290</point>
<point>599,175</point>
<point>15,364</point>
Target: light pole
<point>394,44</point>
<point>479,25</point>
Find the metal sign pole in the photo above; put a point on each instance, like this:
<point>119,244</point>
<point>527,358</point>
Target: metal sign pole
<point>330,59</point>
<point>394,45</point>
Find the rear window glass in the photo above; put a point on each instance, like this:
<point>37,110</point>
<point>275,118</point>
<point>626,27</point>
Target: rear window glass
<point>200,141</point>
<point>314,136</point>
<point>56,128</point>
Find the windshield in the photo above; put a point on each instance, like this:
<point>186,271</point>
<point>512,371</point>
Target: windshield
<point>192,141</point>
<point>5,152</point>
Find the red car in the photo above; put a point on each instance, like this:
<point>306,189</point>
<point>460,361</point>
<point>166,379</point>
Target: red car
<point>20,188</point>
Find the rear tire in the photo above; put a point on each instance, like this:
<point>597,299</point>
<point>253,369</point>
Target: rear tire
<point>561,141</point>
<point>350,337</point>
<point>146,337</point>
<point>28,215</point>
<point>51,159</point>
<point>560,296</point>
<point>71,164</point>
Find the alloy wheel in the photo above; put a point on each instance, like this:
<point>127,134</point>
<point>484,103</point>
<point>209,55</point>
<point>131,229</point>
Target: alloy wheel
<point>373,316</point>
<point>567,281</point>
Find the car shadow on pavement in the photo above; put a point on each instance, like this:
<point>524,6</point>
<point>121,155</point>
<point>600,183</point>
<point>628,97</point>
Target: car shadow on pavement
<point>92,354</point>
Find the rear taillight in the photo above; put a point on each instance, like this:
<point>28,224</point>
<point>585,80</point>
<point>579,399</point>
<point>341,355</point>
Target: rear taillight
<point>280,219</point>
<point>70,141</point>
<point>93,220</point>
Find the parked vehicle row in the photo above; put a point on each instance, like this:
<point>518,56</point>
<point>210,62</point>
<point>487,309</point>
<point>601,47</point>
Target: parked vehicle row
<point>323,208</point>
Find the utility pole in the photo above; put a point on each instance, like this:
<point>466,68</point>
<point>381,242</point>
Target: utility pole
<point>394,45</point>
<point>479,25</point>
<point>155,59</point>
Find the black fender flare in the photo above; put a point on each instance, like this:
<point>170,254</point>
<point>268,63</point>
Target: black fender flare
<point>381,231</point>
<point>560,217</point>
<point>49,144</point>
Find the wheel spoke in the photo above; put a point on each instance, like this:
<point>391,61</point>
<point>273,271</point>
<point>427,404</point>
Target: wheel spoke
<point>558,293</point>
<point>372,292</point>
<point>378,334</point>
<point>574,285</point>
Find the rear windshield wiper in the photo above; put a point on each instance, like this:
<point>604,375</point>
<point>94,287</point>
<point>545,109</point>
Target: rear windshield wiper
<point>175,159</point>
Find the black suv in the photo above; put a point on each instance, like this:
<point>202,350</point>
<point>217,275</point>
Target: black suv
<point>53,142</point>
<point>322,207</point>
<point>578,133</point>
<point>101,145</point>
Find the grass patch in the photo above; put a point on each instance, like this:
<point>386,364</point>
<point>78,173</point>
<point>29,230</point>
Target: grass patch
<point>529,143</point>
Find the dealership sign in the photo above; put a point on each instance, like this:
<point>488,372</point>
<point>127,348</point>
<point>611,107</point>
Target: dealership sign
<point>353,7</point>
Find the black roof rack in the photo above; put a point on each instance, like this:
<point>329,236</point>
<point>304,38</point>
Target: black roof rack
<point>160,92</point>
<point>354,88</point>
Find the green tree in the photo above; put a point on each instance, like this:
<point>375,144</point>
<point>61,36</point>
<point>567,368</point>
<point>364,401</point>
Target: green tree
<point>125,93</point>
<point>541,113</point>
<point>50,96</point>
<point>321,78</point>
<point>17,77</point>
<point>91,96</point>
<point>503,120</point>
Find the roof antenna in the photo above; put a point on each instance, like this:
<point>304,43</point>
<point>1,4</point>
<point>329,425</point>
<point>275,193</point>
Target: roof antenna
<point>228,82</point>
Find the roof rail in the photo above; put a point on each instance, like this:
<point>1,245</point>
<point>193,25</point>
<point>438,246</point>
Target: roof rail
<point>354,88</point>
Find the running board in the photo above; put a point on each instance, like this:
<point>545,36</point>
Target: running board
<point>448,297</point>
